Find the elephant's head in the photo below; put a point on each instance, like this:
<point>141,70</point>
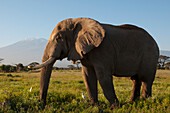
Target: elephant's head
<point>71,38</point>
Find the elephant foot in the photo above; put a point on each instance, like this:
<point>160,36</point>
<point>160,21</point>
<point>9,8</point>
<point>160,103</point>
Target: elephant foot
<point>134,99</point>
<point>92,103</point>
<point>114,106</point>
<point>96,104</point>
<point>42,103</point>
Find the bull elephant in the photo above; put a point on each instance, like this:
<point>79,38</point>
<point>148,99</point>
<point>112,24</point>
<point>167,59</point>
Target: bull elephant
<point>104,50</point>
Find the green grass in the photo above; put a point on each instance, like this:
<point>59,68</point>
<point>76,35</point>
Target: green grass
<point>65,90</point>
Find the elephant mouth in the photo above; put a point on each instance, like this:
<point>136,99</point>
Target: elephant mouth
<point>49,61</point>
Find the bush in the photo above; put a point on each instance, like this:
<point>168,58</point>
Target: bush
<point>9,75</point>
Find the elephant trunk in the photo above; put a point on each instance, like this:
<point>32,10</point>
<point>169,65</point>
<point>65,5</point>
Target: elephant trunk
<point>51,54</point>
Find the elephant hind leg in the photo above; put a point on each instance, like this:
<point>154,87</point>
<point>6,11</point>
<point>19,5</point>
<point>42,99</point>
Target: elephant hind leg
<point>136,88</point>
<point>147,73</point>
<point>146,89</point>
<point>147,81</point>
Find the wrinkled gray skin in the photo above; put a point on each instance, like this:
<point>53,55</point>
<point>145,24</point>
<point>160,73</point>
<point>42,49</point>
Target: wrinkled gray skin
<point>104,50</point>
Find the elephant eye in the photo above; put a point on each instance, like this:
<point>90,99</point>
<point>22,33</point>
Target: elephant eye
<point>59,27</point>
<point>58,38</point>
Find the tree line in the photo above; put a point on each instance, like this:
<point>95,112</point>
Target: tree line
<point>20,67</point>
<point>9,68</point>
<point>163,63</point>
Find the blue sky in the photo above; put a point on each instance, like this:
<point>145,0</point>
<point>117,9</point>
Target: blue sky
<point>20,19</point>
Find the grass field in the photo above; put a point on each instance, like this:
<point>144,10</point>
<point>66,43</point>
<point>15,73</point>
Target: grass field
<point>65,90</point>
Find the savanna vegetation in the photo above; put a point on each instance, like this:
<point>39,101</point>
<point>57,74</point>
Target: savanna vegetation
<point>20,93</point>
<point>21,68</point>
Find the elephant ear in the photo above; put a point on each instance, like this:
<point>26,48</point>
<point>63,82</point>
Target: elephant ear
<point>88,34</point>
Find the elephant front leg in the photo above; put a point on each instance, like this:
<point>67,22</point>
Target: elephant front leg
<point>106,82</point>
<point>90,81</point>
<point>44,82</point>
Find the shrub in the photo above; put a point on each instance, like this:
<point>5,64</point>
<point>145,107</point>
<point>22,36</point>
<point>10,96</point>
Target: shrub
<point>9,75</point>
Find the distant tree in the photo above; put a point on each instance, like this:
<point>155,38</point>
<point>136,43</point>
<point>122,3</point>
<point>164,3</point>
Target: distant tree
<point>71,67</point>
<point>8,68</point>
<point>33,64</point>
<point>56,68</point>
<point>167,65</point>
<point>20,67</point>
<point>2,68</point>
<point>162,61</point>
<point>77,63</point>
<point>13,69</point>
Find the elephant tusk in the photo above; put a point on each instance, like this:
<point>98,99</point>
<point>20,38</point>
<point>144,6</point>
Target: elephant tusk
<point>49,61</point>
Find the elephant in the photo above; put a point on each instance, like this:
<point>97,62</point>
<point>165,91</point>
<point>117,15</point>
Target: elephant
<point>104,51</point>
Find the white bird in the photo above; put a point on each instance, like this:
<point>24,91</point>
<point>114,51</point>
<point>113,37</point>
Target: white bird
<point>83,96</point>
<point>30,89</point>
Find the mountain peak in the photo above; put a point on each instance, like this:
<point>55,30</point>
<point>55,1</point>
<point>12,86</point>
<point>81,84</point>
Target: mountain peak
<point>26,51</point>
<point>33,39</point>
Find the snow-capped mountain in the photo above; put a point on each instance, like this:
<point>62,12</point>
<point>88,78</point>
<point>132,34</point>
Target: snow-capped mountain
<point>26,51</point>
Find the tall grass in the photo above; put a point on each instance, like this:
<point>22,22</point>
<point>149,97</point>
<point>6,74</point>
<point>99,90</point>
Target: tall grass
<point>65,94</point>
